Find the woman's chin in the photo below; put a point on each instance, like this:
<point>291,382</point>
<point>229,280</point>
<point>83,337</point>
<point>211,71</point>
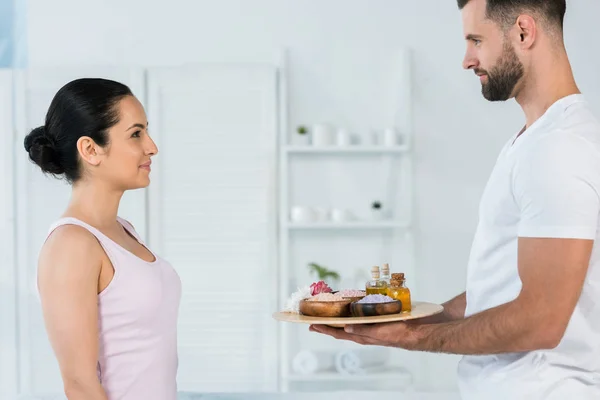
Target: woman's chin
<point>139,184</point>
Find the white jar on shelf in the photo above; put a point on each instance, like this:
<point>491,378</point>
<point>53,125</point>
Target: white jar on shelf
<point>343,137</point>
<point>323,135</point>
<point>321,214</point>
<point>341,215</point>
<point>390,137</point>
<point>373,138</point>
<point>302,214</point>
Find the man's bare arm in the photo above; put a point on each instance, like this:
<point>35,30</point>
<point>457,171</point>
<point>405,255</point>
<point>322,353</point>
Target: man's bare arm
<point>454,310</point>
<point>535,319</point>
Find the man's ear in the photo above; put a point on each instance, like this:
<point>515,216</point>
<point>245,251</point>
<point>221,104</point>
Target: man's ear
<point>526,29</point>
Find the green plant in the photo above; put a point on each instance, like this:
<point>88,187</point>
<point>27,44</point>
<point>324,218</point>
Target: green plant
<point>322,272</point>
<point>302,130</point>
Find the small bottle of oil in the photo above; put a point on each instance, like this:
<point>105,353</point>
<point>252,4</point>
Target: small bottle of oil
<point>398,291</point>
<point>385,273</point>
<point>376,285</point>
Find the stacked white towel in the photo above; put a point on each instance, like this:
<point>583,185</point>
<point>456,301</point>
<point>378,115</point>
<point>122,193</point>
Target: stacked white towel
<point>310,362</point>
<point>360,361</point>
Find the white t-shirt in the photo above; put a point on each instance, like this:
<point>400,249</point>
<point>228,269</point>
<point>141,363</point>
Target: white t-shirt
<point>545,184</point>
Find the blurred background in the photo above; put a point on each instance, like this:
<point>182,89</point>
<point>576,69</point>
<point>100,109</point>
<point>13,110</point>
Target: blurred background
<point>341,133</point>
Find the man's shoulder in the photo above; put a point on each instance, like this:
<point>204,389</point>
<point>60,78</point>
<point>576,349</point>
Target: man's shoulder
<point>575,133</point>
<point>580,117</point>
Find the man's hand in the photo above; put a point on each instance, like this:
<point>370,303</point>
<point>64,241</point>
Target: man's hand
<point>394,334</point>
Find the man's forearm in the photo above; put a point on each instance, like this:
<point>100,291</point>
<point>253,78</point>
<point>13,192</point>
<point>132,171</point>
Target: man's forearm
<point>506,328</point>
<point>454,310</point>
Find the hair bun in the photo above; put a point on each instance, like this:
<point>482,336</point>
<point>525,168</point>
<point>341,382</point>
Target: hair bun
<point>42,151</point>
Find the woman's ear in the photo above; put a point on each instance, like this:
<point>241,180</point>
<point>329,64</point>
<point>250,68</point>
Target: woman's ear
<point>89,151</point>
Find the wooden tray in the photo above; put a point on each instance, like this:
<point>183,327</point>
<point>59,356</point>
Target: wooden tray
<point>419,310</point>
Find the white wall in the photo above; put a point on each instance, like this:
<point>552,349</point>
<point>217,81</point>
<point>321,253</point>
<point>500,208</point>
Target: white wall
<point>342,55</point>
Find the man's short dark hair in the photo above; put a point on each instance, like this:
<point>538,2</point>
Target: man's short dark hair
<point>505,12</point>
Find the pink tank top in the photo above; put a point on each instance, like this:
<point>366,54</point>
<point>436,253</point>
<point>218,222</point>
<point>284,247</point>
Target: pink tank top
<point>137,323</point>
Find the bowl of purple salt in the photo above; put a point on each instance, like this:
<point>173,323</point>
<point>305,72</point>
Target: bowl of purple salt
<point>375,304</point>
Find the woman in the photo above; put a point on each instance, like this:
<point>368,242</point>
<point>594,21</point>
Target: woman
<point>110,304</point>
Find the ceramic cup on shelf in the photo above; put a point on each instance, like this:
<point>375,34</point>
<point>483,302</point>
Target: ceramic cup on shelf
<point>323,135</point>
<point>321,214</point>
<point>343,137</point>
<point>373,138</point>
<point>341,215</point>
<point>302,214</point>
<point>390,137</point>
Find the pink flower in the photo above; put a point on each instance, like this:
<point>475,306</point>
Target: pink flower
<point>320,287</point>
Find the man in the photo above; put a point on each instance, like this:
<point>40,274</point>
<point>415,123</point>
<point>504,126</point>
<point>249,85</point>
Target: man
<point>529,322</point>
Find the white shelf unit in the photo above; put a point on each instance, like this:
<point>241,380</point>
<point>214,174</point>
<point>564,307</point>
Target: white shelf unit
<point>350,150</point>
<point>346,225</point>
<point>401,376</point>
<point>388,231</point>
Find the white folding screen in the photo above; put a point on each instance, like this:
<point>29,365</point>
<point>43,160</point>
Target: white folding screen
<point>40,201</point>
<point>212,214</point>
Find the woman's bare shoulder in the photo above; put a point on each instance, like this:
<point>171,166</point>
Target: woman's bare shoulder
<point>68,249</point>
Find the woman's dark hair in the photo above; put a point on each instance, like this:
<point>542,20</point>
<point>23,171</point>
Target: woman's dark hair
<point>83,107</point>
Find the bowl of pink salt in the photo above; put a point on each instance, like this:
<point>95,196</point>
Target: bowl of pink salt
<point>325,305</point>
<point>352,294</point>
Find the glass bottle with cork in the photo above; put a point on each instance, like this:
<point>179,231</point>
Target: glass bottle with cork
<point>397,290</point>
<point>376,285</point>
<point>385,273</point>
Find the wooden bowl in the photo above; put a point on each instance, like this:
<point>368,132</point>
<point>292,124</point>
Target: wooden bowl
<point>325,308</point>
<point>353,299</point>
<point>374,309</point>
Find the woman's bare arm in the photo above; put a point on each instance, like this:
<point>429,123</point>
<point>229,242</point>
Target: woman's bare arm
<point>68,273</point>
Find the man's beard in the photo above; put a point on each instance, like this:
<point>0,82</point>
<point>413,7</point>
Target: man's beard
<point>502,78</point>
